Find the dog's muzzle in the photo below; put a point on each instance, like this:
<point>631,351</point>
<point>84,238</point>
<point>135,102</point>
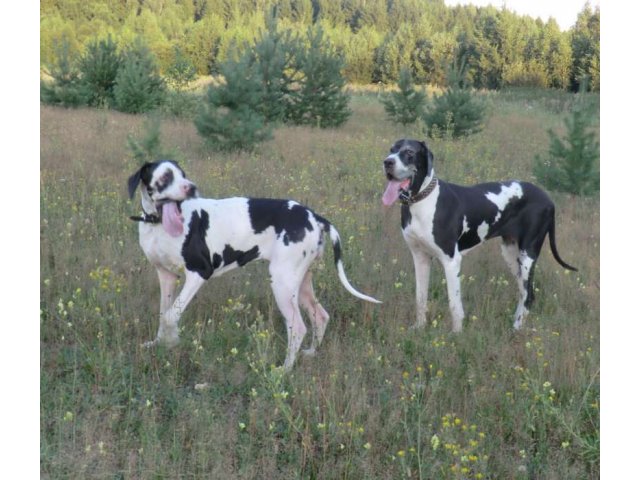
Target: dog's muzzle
<point>388,167</point>
<point>192,191</point>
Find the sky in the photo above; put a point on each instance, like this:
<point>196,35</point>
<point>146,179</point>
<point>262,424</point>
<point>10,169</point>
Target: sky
<point>565,12</point>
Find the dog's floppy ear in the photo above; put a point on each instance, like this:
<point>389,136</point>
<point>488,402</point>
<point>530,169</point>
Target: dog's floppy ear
<point>428,155</point>
<point>134,180</point>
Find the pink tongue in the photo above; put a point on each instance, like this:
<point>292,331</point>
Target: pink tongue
<point>392,192</point>
<point>172,219</point>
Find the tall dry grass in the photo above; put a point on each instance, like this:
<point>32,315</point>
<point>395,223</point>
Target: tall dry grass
<point>378,401</point>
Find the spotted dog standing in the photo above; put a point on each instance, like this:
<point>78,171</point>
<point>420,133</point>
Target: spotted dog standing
<point>445,221</point>
<point>205,238</point>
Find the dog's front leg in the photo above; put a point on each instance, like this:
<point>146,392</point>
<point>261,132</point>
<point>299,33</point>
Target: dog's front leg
<point>168,282</point>
<point>422,267</point>
<point>452,274</point>
<point>168,330</point>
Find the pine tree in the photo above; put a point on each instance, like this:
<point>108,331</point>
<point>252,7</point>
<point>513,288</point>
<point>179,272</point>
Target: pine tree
<point>181,72</point>
<point>149,148</point>
<point>276,57</point>
<point>572,162</point>
<point>321,100</point>
<point>230,118</point>
<point>139,87</point>
<point>66,88</point>
<point>456,112</point>
<point>406,105</point>
<point>99,68</point>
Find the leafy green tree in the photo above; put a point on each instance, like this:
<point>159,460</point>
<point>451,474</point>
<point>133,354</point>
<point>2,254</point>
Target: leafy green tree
<point>201,43</point>
<point>557,55</point>
<point>585,43</point>
<point>572,162</point>
<point>99,68</point>
<point>443,53</point>
<point>358,50</point>
<point>230,117</point>
<point>146,24</point>
<point>321,99</point>
<point>329,12</point>
<point>456,112</point>
<point>394,52</point>
<point>486,61</point>
<point>66,88</point>
<point>502,47</point>
<point>139,86</point>
<point>406,105</point>
<point>54,30</point>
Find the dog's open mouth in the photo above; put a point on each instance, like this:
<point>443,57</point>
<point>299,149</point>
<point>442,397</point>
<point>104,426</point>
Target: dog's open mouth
<point>394,187</point>
<point>172,219</point>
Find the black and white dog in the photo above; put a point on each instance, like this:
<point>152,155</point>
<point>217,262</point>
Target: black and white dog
<point>445,221</point>
<point>205,238</point>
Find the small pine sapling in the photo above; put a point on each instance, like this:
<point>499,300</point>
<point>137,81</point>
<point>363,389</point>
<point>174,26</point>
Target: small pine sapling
<point>406,105</point>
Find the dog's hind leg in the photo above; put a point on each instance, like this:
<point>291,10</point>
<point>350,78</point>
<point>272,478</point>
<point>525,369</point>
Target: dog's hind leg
<point>510,253</point>
<point>521,264</point>
<point>168,330</point>
<point>285,283</point>
<point>318,315</point>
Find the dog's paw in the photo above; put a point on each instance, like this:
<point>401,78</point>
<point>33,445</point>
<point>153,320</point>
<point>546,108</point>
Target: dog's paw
<point>150,343</point>
<point>309,352</point>
<point>417,326</point>
<point>169,341</point>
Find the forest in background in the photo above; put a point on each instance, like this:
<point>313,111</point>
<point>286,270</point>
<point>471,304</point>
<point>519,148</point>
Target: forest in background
<point>376,38</point>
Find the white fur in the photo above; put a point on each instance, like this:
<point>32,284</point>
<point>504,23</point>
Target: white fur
<point>501,199</point>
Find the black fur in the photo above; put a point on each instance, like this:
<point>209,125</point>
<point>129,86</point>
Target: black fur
<point>195,251</point>
<point>292,223</point>
<point>230,255</point>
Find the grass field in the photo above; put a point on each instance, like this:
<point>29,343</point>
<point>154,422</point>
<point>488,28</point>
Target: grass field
<point>378,401</point>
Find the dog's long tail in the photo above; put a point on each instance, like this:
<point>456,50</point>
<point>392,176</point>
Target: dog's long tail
<point>552,243</point>
<point>337,254</point>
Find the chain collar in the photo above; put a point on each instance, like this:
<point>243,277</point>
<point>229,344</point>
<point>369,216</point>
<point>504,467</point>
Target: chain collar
<point>406,198</point>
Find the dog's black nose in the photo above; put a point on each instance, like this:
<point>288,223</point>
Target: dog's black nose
<point>191,191</point>
<point>388,163</point>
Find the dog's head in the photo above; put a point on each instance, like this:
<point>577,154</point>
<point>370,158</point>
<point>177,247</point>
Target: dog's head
<point>408,164</point>
<point>163,186</point>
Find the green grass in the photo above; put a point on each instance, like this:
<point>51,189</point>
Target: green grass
<point>378,401</point>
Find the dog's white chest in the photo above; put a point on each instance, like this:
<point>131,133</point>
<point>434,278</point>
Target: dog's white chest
<point>419,231</point>
<point>162,249</point>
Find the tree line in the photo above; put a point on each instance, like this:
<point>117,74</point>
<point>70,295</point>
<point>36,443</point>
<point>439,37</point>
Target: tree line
<point>375,38</point>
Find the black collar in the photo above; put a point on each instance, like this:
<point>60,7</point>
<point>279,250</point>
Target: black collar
<point>407,199</point>
<point>147,218</point>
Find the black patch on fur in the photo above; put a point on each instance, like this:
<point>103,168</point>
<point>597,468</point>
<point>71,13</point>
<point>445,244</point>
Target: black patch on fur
<point>217,261</point>
<point>195,251</point>
<point>230,255</point>
<point>290,223</point>
<point>165,181</point>
<point>405,216</point>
